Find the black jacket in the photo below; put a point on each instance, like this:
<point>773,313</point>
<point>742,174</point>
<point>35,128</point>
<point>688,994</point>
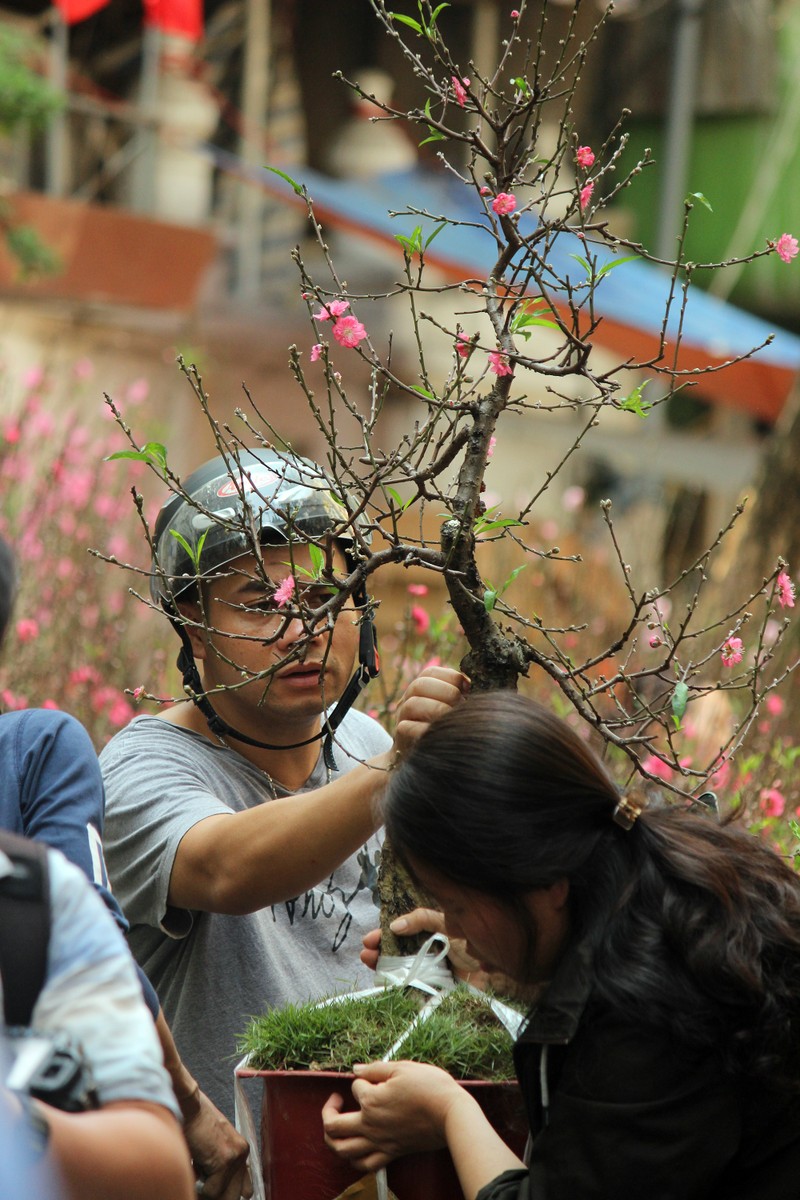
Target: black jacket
<point>619,1112</point>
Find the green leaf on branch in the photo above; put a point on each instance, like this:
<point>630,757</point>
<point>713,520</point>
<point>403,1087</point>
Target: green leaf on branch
<point>483,526</point>
<point>512,577</point>
<point>152,453</point>
<point>408,21</point>
<point>617,262</point>
<point>700,198</point>
<point>297,187</point>
<point>194,553</point>
<point>420,27</point>
<point>636,402</point>
<point>398,499</point>
<point>435,135</point>
<point>484,523</point>
<point>490,596</point>
<point>598,272</point>
<point>680,698</point>
<point>435,233</point>
<point>411,245</point>
<point>404,20</point>
<point>528,315</point>
<point>414,244</point>
<point>317,559</point>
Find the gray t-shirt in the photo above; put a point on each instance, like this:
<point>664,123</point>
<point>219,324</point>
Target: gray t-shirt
<point>212,971</point>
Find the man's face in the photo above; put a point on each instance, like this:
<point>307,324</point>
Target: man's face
<point>248,633</point>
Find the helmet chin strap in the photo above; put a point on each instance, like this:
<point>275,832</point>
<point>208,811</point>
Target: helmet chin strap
<point>368,668</point>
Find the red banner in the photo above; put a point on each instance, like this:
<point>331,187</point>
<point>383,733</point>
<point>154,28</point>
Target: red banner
<point>182,17</point>
<point>78,10</point>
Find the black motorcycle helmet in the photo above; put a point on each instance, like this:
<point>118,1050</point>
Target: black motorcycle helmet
<point>213,520</point>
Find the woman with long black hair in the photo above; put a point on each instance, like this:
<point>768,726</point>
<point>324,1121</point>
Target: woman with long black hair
<point>662,1057</point>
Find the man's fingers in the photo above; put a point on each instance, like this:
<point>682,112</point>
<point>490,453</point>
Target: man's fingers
<point>446,674</point>
<point>238,1188</point>
<point>228,1184</point>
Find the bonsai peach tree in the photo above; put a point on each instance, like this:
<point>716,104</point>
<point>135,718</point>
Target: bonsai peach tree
<point>522,345</point>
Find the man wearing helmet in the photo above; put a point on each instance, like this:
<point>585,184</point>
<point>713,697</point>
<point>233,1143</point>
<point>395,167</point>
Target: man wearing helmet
<point>240,824</point>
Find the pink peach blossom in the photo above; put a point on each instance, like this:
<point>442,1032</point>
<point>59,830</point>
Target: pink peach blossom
<point>499,364</point>
<point>464,346</point>
<point>586,195</point>
<point>27,629</point>
<point>774,704</point>
<point>81,675</point>
<point>335,309</point>
<point>460,89</point>
<point>119,546</point>
<point>34,377</point>
<point>515,14</point>
<point>284,591</point>
<point>421,619</point>
<point>41,425</point>
<point>772,802</point>
<point>491,446</point>
<point>138,391</point>
<point>417,589</point>
<point>485,191</point>
<point>732,651</point>
<point>573,498</point>
<point>584,156</point>
<point>786,247</point>
<point>120,712</point>
<point>504,203</point>
<point>654,766</point>
<point>786,590</point>
<point>316,352</point>
<point>348,332</point>
<point>721,776</point>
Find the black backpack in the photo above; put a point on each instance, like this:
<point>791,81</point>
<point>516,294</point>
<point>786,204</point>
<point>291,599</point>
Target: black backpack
<point>24,926</point>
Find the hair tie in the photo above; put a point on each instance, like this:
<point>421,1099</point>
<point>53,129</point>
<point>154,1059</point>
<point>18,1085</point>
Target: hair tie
<point>629,807</point>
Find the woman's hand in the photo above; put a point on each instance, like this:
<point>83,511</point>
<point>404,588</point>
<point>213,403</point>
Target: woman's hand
<point>404,1109</point>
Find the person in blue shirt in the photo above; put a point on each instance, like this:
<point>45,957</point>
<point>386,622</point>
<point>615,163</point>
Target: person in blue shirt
<point>53,792</point>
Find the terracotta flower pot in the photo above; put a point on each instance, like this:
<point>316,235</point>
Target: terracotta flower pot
<point>297,1165</point>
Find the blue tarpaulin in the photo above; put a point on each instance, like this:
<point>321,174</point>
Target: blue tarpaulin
<point>630,300</point>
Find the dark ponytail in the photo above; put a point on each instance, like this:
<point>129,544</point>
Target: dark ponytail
<point>693,926</point>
